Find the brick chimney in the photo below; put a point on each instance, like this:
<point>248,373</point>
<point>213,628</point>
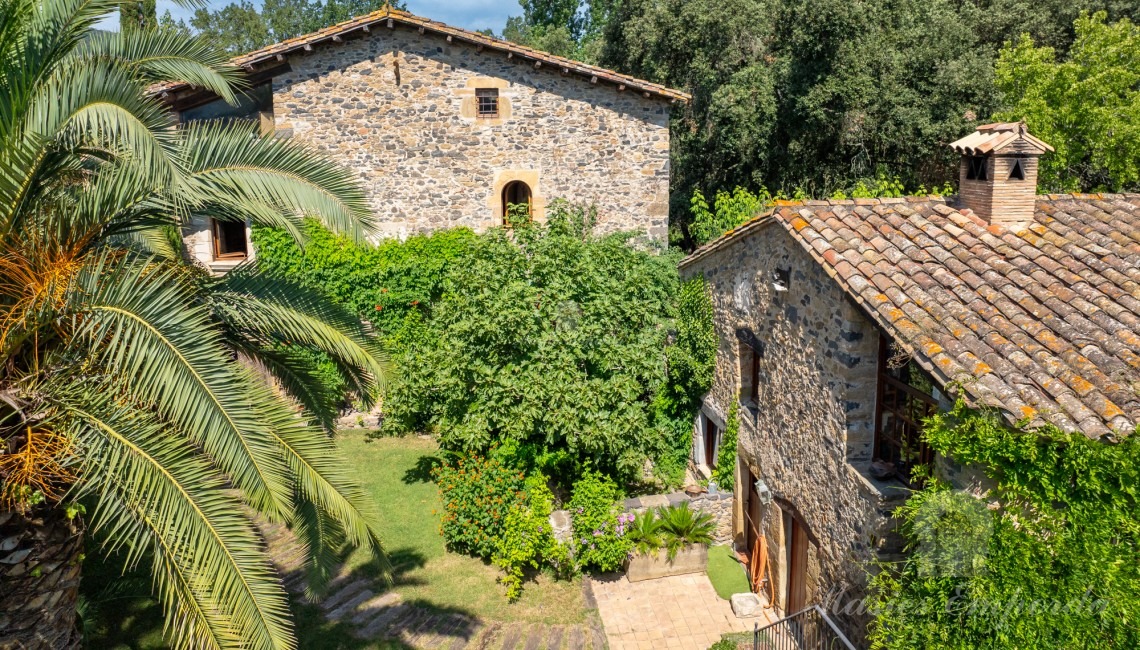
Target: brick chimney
<point>997,178</point>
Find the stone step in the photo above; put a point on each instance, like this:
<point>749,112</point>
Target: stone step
<point>402,627</point>
<point>577,638</point>
<point>349,606</point>
<point>534,637</point>
<point>461,641</point>
<point>342,594</point>
<point>367,610</point>
<point>377,628</point>
<point>597,636</point>
<point>486,638</point>
<point>511,636</point>
<point>554,639</point>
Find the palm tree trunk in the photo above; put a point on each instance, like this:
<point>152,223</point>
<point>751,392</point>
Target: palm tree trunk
<point>39,579</point>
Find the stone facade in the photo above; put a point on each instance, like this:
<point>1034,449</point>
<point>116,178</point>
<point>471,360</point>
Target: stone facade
<point>398,107</point>
<point>809,433</point>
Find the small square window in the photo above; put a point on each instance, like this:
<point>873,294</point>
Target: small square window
<point>488,102</point>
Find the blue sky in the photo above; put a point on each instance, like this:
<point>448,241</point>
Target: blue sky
<point>470,14</point>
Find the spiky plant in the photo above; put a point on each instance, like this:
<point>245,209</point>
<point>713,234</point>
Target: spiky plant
<point>644,533</point>
<point>171,402</point>
<point>681,526</point>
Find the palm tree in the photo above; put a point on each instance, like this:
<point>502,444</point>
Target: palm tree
<point>140,398</point>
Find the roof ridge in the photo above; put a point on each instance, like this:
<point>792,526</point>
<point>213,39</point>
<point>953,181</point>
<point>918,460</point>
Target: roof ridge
<point>332,32</point>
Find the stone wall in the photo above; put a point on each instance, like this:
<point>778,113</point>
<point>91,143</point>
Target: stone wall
<point>397,107</point>
<point>810,437</point>
<point>719,505</point>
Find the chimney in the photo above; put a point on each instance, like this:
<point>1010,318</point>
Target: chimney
<point>997,177</point>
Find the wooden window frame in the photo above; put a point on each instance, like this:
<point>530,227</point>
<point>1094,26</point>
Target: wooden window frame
<point>529,200</point>
<point>486,103</point>
<point>215,230</point>
<point>899,411</point>
<point>750,363</point>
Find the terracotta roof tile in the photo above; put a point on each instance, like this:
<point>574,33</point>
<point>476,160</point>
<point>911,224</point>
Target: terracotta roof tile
<point>1043,323</point>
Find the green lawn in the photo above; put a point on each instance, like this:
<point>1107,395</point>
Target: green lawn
<point>395,472</point>
<point>726,573</point>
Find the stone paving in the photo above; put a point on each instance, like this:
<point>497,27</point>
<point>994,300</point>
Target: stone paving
<point>675,613</point>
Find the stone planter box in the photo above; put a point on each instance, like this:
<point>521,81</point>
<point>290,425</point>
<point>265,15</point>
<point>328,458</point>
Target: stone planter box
<point>691,559</point>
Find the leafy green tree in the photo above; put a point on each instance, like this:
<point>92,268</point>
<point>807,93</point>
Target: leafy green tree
<point>1087,106</point>
<point>240,27</point>
<point>818,94</point>
<point>1048,560</point>
<point>138,15</point>
<point>551,337</point>
<point>236,28</point>
<point>569,28</point>
<point>122,390</point>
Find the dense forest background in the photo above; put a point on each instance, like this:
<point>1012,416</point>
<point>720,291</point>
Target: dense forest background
<point>816,97</point>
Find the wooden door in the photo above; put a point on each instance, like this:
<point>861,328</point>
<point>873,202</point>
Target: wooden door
<point>795,557</point>
<point>751,513</point>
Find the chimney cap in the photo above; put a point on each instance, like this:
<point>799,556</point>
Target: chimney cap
<point>991,138</point>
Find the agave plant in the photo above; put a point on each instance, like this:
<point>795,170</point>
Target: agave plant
<point>170,403</point>
<point>680,527</point>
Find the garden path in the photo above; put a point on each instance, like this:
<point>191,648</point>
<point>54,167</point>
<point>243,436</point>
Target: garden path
<point>377,614</point>
<point>675,613</point>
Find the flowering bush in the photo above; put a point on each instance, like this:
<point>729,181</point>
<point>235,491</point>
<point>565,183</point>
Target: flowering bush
<point>599,525</point>
<point>478,494</point>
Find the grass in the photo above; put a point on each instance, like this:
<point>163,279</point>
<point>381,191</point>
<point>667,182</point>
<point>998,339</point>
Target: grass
<point>396,473</point>
<point>726,573</point>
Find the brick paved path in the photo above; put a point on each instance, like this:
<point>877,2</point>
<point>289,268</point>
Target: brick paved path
<point>678,612</point>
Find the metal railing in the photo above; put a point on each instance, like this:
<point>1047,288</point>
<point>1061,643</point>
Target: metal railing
<point>807,629</point>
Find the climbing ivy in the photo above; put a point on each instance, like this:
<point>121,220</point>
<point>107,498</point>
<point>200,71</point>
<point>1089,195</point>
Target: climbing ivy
<point>1052,560</point>
<point>725,471</point>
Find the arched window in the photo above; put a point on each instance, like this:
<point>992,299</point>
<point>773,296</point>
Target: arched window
<point>516,202</point>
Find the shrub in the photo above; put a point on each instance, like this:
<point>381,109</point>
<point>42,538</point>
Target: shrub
<point>725,471</point>
<point>680,527</point>
<point>599,535</point>
<point>527,538</point>
<point>478,493</point>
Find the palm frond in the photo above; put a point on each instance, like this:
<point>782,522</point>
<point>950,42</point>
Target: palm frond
<point>235,167</point>
<point>323,538</point>
<point>294,374</point>
<point>281,310</point>
<point>158,499</point>
<point>319,471</point>
<point>167,56</point>
<point>144,326</point>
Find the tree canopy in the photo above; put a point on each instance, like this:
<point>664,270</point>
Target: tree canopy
<point>1087,105</point>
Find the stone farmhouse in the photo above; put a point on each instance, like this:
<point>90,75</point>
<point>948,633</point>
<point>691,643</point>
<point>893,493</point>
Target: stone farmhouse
<point>446,127</point>
<point>842,324</point>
